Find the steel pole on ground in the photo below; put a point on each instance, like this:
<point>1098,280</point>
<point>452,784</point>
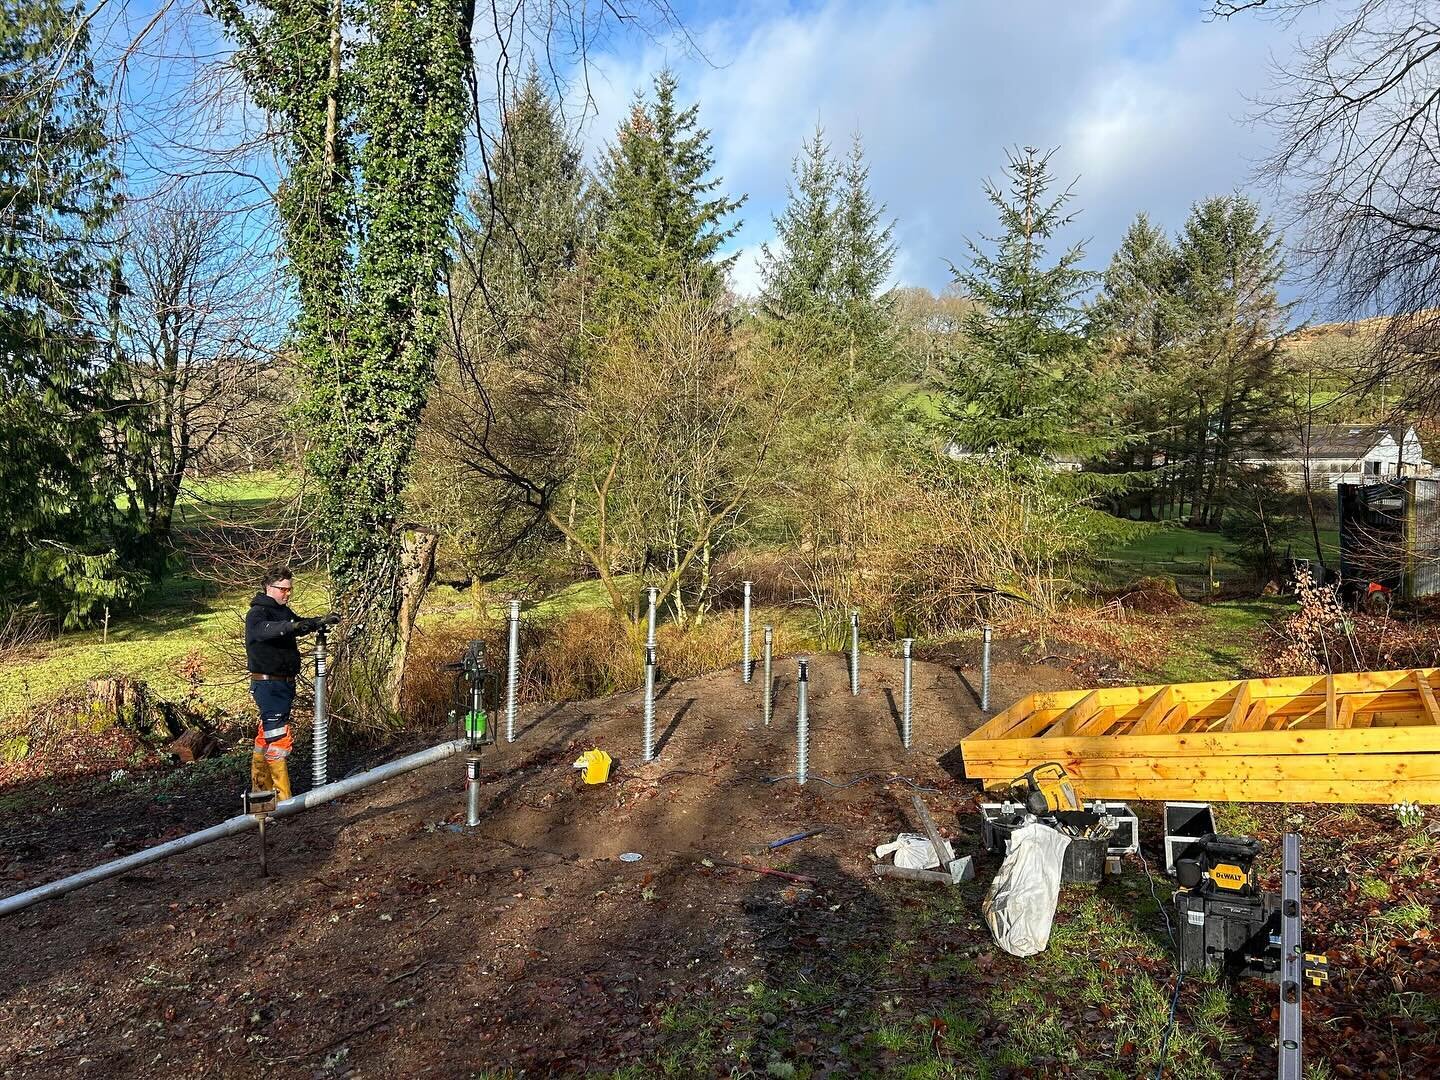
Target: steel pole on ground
<point>230,827</point>
<point>802,720</point>
<point>769,694</point>
<point>854,654</point>
<point>985,669</point>
<point>512,679</point>
<point>472,791</point>
<point>745,644</point>
<point>320,730</point>
<point>905,695</point>
<point>649,703</point>
<point>650,631</point>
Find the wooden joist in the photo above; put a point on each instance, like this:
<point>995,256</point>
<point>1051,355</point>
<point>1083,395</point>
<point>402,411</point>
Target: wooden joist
<point>1239,709</point>
<point>1073,719</point>
<point>1156,709</point>
<point>1427,697</point>
<point>1366,737</point>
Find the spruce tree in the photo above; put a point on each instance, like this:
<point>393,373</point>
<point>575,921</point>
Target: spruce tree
<point>866,255</point>
<point>1131,312</point>
<point>1228,320</point>
<point>1193,326</point>
<point>62,539</point>
<point>823,289</point>
<point>662,216</point>
<point>1022,381</point>
<point>525,228</point>
<point>799,281</point>
<point>1134,325</point>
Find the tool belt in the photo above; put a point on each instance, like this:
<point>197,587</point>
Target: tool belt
<point>271,678</point>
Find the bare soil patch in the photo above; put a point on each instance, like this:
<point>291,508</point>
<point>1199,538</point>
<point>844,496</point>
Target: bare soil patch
<point>390,941</point>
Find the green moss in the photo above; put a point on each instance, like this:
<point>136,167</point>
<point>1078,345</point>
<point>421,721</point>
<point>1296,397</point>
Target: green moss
<point>1374,888</point>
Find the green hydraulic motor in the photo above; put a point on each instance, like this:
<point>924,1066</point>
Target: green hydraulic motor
<point>477,688</point>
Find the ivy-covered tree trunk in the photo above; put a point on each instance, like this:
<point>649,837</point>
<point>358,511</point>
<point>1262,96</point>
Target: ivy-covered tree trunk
<point>375,142</point>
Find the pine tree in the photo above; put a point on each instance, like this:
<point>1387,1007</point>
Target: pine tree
<point>799,281</point>
<point>1023,382</point>
<point>662,218</point>
<point>62,539</point>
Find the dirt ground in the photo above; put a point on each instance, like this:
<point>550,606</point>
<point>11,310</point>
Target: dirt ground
<point>391,941</point>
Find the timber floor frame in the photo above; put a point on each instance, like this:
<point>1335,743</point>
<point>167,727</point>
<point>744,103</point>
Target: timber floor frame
<point>1370,737</point>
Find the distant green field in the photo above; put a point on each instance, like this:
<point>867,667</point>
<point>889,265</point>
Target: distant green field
<point>1179,552</point>
<point>180,615</point>
<point>443,603</point>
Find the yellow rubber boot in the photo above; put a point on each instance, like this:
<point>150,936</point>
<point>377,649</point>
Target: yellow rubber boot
<point>280,777</point>
<point>259,772</point>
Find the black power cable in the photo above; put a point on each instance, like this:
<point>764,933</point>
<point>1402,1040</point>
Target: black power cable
<point>1179,975</point>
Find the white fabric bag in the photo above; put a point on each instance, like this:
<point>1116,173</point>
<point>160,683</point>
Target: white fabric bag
<point>915,852</point>
<point>1020,906</point>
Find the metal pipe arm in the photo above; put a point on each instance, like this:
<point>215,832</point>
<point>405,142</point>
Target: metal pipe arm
<point>230,827</point>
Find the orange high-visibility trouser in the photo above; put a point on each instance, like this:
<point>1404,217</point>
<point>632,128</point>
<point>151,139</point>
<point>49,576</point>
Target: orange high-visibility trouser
<point>273,740</point>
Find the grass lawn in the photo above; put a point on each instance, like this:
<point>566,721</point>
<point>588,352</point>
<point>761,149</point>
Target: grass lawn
<point>181,617</point>
<point>1184,554</point>
<point>184,618</point>
<point>1223,644</point>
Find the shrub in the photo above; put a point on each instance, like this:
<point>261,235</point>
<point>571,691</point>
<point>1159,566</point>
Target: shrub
<point>571,657</point>
<point>1321,636</point>
<point>938,548</point>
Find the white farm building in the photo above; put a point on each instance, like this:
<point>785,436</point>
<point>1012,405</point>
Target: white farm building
<point>1353,454</point>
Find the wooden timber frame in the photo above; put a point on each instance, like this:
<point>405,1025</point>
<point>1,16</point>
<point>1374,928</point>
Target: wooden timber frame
<point>1369,737</point>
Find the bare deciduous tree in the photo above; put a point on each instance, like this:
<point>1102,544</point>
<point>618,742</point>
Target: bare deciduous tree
<point>1356,116</point>
<point>197,324</point>
<point>646,464</point>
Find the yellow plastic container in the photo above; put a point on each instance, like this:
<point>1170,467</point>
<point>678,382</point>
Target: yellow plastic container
<point>595,765</point>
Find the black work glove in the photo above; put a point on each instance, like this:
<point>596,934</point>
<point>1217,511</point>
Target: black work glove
<point>333,619</point>
<point>307,626</point>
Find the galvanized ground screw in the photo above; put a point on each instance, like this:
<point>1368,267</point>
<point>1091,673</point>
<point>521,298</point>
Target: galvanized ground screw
<point>745,645</point>
<point>649,703</point>
<point>854,654</point>
<point>512,680</point>
<point>802,721</point>
<point>985,670</point>
<point>769,697</point>
<point>905,696</point>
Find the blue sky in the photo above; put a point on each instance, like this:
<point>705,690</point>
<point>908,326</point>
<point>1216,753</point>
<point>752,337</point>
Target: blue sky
<point>1147,100</point>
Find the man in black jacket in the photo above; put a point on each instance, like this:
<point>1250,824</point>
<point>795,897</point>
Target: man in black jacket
<point>272,653</point>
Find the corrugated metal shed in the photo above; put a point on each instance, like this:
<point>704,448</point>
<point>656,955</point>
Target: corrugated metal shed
<point>1390,534</point>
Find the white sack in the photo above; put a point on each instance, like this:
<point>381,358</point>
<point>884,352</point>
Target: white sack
<point>1020,907</point>
<point>915,852</point>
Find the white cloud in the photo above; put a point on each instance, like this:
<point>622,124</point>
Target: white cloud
<point>1145,101</point>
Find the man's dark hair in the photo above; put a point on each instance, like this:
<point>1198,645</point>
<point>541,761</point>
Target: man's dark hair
<point>274,574</point>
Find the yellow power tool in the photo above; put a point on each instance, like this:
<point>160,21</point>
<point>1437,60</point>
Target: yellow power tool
<point>1047,789</point>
